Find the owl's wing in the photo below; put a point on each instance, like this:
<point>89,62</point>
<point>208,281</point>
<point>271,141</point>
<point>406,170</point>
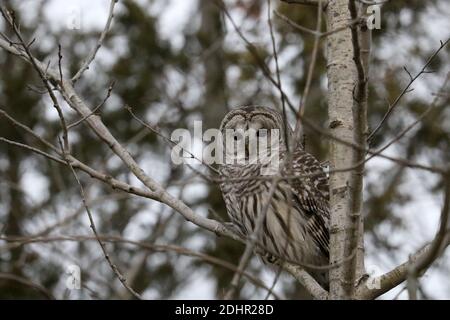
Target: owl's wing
<point>310,192</point>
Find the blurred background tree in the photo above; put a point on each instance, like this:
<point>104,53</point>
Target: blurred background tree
<point>175,62</point>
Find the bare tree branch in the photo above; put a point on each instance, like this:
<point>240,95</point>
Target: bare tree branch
<point>145,245</point>
<point>94,51</point>
<point>108,94</point>
<point>312,64</point>
<point>356,21</point>
<point>407,88</point>
<point>42,290</point>
<point>437,245</point>
<point>32,149</point>
<point>307,281</point>
<point>418,262</point>
<point>113,266</point>
<point>42,74</point>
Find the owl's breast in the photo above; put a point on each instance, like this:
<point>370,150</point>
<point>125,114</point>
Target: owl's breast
<point>243,181</point>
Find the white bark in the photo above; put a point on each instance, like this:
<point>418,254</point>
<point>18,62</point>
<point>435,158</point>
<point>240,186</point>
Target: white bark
<point>342,79</point>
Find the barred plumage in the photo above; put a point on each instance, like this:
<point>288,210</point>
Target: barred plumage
<point>296,224</point>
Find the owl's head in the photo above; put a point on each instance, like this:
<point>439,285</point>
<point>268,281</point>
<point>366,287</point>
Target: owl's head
<point>250,126</point>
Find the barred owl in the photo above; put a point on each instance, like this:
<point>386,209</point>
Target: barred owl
<point>296,222</point>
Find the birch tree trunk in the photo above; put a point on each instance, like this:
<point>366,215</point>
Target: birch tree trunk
<point>362,40</point>
<point>342,81</point>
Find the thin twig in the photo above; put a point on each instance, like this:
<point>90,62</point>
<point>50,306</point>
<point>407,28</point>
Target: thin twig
<point>41,289</point>
<point>277,68</point>
<point>421,265</point>
<point>28,130</point>
<point>316,33</point>
<point>254,52</point>
<point>60,63</point>
<point>424,257</point>
<point>406,89</point>
<point>304,97</point>
<point>413,124</point>
<point>32,149</point>
<point>274,282</point>
<point>114,268</point>
<point>94,51</point>
<point>42,75</point>
<point>94,111</point>
<point>167,139</point>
